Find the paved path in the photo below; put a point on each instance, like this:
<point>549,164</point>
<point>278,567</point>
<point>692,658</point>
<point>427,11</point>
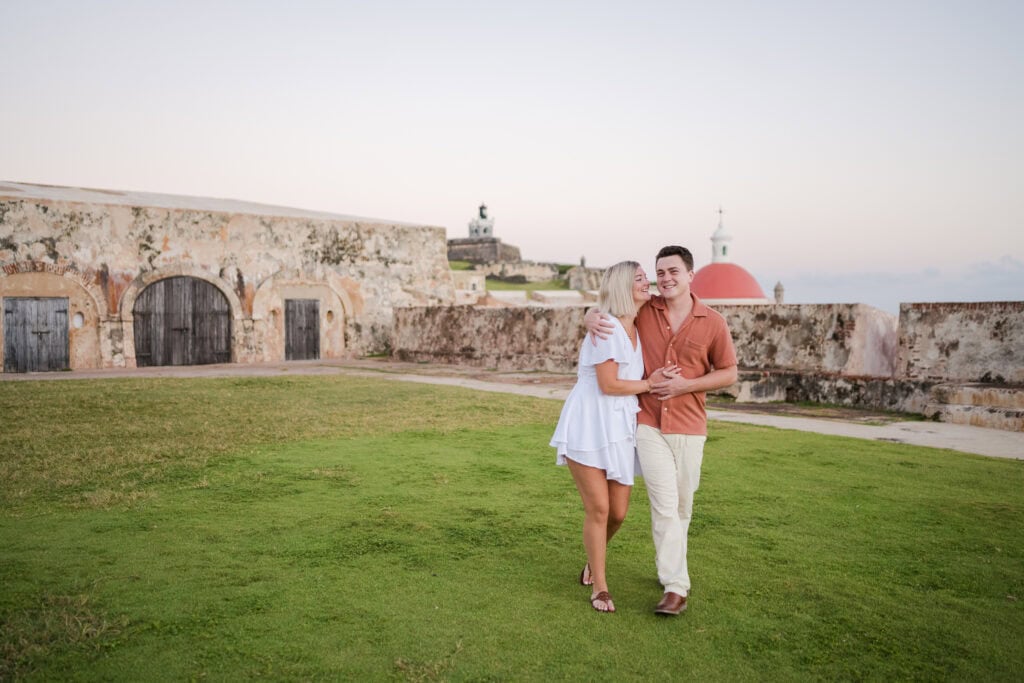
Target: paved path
<point>977,440</point>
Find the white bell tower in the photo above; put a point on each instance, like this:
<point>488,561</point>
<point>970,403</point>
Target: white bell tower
<point>720,252</point>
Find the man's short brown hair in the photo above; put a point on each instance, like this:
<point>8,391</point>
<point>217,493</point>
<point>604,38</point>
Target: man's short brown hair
<point>673,250</point>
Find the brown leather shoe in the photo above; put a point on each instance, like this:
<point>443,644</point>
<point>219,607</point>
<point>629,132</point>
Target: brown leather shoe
<point>671,604</point>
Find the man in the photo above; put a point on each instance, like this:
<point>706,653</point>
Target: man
<point>676,329</point>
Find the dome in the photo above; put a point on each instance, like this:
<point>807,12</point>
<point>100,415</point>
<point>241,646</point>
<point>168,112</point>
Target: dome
<point>726,281</point>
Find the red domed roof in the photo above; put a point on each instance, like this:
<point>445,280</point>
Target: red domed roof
<point>725,281</point>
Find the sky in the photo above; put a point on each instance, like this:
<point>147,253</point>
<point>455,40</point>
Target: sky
<point>866,152</point>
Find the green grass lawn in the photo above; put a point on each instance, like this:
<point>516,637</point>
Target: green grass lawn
<point>333,528</point>
<point>547,285</point>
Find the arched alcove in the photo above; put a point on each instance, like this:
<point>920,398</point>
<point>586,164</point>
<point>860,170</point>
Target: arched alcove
<point>181,320</point>
<point>49,318</point>
<point>126,305</point>
<point>300,318</point>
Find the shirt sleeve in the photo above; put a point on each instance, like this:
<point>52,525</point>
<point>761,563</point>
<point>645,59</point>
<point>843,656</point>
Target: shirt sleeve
<point>722,352</point>
<point>615,348</point>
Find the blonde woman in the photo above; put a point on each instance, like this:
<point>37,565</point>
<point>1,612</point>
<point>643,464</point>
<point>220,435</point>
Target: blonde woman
<point>596,431</point>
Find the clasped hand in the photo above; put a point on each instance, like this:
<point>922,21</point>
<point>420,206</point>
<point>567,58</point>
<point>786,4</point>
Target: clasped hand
<point>668,382</point>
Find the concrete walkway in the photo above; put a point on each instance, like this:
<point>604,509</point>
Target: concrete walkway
<point>977,440</point>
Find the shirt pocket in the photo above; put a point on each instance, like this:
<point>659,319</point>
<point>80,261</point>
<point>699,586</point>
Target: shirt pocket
<point>693,357</point>
<point>695,346</point>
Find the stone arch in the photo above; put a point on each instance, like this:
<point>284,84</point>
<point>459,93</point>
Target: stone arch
<point>127,305</point>
<point>88,347</point>
<point>85,278</point>
<point>268,312</point>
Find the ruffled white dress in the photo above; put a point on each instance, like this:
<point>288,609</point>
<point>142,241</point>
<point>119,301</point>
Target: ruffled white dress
<point>595,429</point>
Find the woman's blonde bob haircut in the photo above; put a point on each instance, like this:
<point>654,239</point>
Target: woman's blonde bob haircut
<point>616,295</point>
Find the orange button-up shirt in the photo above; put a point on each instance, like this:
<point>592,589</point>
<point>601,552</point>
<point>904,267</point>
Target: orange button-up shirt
<point>701,344</point>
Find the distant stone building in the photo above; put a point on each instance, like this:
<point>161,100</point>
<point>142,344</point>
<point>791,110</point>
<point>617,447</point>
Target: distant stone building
<point>99,278</point>
<point>482,246</point>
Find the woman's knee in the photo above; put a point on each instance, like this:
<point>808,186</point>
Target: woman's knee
<point>617,510</point>
<point>598,510</point>
<point>616,517</point>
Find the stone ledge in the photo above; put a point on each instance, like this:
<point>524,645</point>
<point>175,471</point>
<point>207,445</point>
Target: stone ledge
<point>1006,419</point>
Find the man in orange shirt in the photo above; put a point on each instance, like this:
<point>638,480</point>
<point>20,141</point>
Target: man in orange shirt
<point>676,329</point>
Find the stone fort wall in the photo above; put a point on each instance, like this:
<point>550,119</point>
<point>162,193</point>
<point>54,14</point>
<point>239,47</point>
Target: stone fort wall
<point>482,250</point>
<point>844,339</point>
<point>955,362</point>
<point>506,338</point>
<point>936,342</point>
<point>828,338</point>
<point>967,342</point>
<point>101,256</point>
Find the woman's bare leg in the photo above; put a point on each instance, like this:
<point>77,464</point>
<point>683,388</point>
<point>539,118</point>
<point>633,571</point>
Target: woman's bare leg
<point>593,487</point>
<point>618,506</point>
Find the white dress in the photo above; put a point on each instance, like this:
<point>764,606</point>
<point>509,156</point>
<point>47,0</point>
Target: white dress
<point>596,429</point>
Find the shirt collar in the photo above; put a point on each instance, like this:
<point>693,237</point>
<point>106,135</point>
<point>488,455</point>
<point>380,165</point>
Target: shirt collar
<point>700,309</point>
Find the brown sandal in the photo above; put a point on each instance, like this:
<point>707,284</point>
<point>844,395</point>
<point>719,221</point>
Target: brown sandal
<point>604,597</point>
<point>586,578</point>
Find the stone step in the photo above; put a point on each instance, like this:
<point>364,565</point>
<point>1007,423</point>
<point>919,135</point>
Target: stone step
<point>992,417</point>
<point>981,395</point>
<point>978,405</point>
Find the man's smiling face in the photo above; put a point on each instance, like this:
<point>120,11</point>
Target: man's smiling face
<point>673,277</point>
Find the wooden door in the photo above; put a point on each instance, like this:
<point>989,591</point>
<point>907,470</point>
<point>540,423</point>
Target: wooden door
<point>211,323</point>
<point>35,334</point>
<point>182,321</point>
<point>302,329</point>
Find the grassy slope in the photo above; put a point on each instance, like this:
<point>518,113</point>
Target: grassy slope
<point>302,528</point>
<point>498,285</point>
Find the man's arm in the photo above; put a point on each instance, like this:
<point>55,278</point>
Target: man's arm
<point>599,325</point>
<point>676,385</point>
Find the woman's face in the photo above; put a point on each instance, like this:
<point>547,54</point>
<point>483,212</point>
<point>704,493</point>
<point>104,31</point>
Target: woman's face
<point>641,287</point>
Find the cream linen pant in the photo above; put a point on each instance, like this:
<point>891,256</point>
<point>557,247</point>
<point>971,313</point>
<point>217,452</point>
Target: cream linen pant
<point>670,465</point>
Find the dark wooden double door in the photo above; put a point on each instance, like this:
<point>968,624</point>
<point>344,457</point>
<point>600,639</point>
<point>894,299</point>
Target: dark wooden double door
<point>35,334</point>
<point>182,321</point>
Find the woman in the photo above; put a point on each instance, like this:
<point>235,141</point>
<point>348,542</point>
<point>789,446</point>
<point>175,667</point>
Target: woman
<point>596,430</point>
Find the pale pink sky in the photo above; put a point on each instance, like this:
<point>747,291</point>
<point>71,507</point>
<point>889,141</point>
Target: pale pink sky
<point>868,152</point>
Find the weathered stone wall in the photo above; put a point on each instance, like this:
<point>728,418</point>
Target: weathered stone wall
<point>512,338</point>
<point>878,393</point>
<point>968,342</point>
<point>359,270</point>
<point>818,353</point>
<point>846,339</point>
<point>481,250</point>
<point>807,338</point>
<point>585,279</point>
<point>523,271</point>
